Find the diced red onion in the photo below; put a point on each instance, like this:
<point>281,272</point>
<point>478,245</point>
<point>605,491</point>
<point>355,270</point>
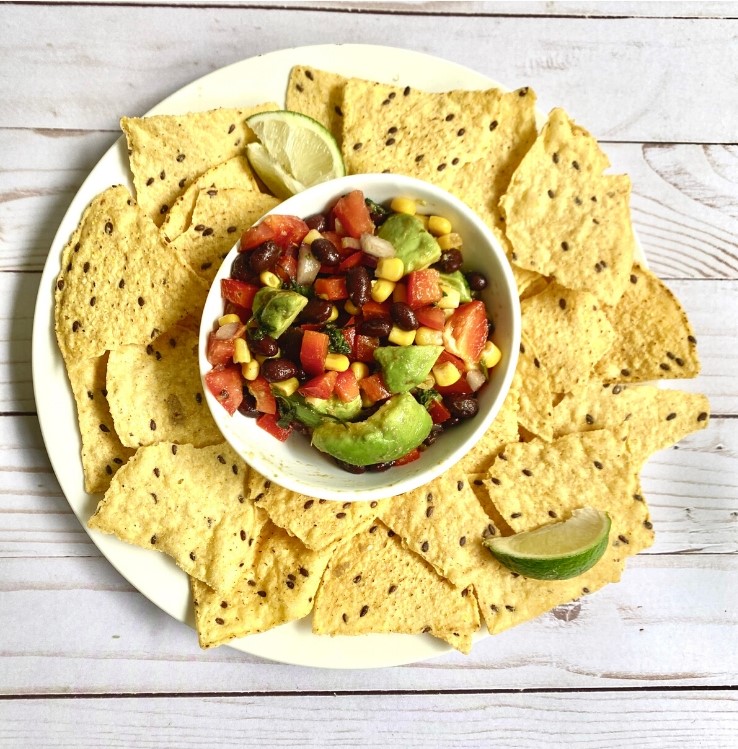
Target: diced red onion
<point>376,246</point>
<point>227,331</point>
<point>308,266</point>
<point>476,379</point>
<point>349,243</point>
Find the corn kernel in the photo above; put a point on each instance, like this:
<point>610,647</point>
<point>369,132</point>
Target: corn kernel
<point>286,388</point>
<point>449,241</point>
<point>401,337</point>
<point>438,226</point>
<point>360,369</point>
<point>268,278</point>
<point>428,337</point>
<point>400,293</point>
<point>241,353</point>
<point>382,290</point>
<point>311,236</point>
<point>250,370</point>
<point>337,362</point>
<point>428,383</point>
<point>404,205</point>
<point>491,355</point>
<point>351,308</point>
<point>228,319</point>
<point>451,297</point>
<point>334,314</point>
<point>423,220</point>
<point>446,374</point>
<point>390,268</point>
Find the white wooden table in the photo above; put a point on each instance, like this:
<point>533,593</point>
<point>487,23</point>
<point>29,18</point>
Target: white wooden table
<point>85,660</point>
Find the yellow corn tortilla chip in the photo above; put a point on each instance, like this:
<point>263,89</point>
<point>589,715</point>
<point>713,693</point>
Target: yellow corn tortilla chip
<point>653,338</point>
<point>235,172</point>
<point>218,220</point>
<point>102,451</point>
<point>565,218</point>
<point>569,332</point>
<point>169,152</point>
<point>119,282</point>
<point>188,503</point>
<point>317,94</point>
<point>531,381</point>
<point>155,393</point>
<point>318,523</point>
<point>477,483</point>
<point>279,587</point>
<point>374,584</point>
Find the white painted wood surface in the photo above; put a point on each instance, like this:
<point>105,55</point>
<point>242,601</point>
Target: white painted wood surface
<point>649,662</point>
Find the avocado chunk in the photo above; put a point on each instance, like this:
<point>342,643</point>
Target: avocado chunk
<point>416,247</point>
<point>335,407</point>
<point>405,367</point>
<point>276,309</point>
<point>456,280</point>
<point>400,425</point>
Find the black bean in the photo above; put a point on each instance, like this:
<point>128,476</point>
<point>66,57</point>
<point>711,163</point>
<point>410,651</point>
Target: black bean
<point>317,221</point>
<point>325,251</point>
<point>264,257</point>
<point>377,327</point>
<point>278,370</point>
<point>316,311</point>
<point>403,316</point>
<point>477,281</point>
<point>350,468</point>
<point>291,342</point>
<point>435,432</point>
<point>248,404</point>
<point>462,406</point>
<point>449,261</point>
<point>358,285</point>
<point>265,346</point>
<point>241,268</point>
<point>380,467</point>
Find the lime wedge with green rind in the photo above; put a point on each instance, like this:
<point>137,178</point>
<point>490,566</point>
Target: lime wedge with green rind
<point>557,551</point>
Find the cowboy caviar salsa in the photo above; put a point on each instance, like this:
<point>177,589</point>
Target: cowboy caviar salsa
<point>356,327</point>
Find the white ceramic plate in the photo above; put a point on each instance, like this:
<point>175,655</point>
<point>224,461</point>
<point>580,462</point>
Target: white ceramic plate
<point>156,576</point>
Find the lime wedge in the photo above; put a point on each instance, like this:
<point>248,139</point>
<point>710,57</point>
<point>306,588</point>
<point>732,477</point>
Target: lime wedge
<point>557,551</point>
<point>294,152</point>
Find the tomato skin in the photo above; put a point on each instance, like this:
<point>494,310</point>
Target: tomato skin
<point>461,386</point>
<point>313,352</point>
<point>347,386</point>
<point>238,293</point>
<point>224,382</point>
<point>265,400</point>
<point>352,213</point>
<point>286,266</point>
<point>414,454</point>
<point>364,346</point>
<point>438,412</point>
<point>465,332</point>
<point>331,289</point>
<point>373,389</point>
<point>284,231</point>
<point>220,352</point>
<point>349,335</point>
<point>423,287</point>
<point>268,422</point>
<point>321,386</point>
<point>255,236</point>
<point>431,317</point>
<point>351,261</point>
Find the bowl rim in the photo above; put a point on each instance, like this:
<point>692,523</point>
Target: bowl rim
<point>398,480</point>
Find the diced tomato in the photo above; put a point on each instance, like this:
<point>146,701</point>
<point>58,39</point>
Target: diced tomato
<point>224,382</point>
<point>265,400</point>
<point>244,313</point>
<point>286,266</point>
<point>268,422</point>
<point>431,317</point>
<point>349,334</point>
<point>375,309</point>
<point>414,454</point>
<point>321,386</point>
<point>400,293</point>
<point>219,351</point>
<point>364,346</point>
<point>423,287</point>
<point>461,385</point>
<point>438,412</point>
<point>238,292</point>
<point>373,389</point>
<point>255,236</point>
<point>353,214</point>
<point>313,351</point>
<point>331,289</point>
<point>465,332</point>
<point>284,231</point>
<point>347,387</point>
<point>351,261</point>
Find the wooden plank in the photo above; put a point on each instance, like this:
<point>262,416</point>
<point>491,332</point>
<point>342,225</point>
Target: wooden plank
<point>103,61</point>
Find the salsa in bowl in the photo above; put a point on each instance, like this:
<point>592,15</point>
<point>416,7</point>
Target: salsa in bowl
<point>360,338</point>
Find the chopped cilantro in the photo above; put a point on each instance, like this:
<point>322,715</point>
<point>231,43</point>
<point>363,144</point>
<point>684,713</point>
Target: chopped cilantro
<point>299,288</point>
<point>337,342</point>
<point>287,412</point>
<point>426,397</point>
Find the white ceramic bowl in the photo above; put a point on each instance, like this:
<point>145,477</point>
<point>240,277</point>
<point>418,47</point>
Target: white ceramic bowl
<point>294,464</point>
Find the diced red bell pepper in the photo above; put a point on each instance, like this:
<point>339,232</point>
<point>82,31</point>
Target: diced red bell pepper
<point>347,387</point>
<point>284,231</point>
<point>238,292</point>
<point>373,389</point>
<point>438,412</point>
<point>465,332</point>
<point>220,352</point>
<point>414,454</point>
<point>331,289</point>
<point>353,214</point>
<point>265,400</point>
<point>372,309</point>
<point>313,352</point>
<point>321,386</point>
<point>268,422</point>
<point>351,261</point>
<point>400,292</point>
<point>423,287</point>
<point>225,383</point>
<point>431,317</point>
<point>364,346</point>
<point>349,334</point>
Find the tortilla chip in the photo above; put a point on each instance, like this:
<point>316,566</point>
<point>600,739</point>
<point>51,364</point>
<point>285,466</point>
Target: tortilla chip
<point>318,523</point>
<point>119,282</point>
<point>278,588</point>
<point>569,332</point>
<point>317,94</point>
<point>653,338</point>
<point>169,152</point>
<point>235,172</point>
<point>102,451</point>
<point>477,483</point>
<point>218,220</point>
<point>374,584</point>
<point>188,503</point>
<point>535,400</point>
<point>565,218</point>
<point>155,393</point>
